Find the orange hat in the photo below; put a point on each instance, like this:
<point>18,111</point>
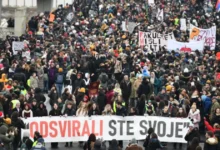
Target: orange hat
<point>168,87</point>
<point>82,90</point>
<point>7,121</point>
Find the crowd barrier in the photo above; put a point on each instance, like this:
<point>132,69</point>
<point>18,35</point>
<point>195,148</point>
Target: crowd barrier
<point>67,129</point>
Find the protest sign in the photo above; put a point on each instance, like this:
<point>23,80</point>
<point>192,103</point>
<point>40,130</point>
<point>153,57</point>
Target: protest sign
<point>68,129</point>
<point>151,2</point>
<point>128,26</point>
<point>153,40</point>
<point>185,47</point>
<point>160,14</point>
<point>207,35</point>
<point>69,17</point>
<point>17,46</point>
<point>27,54</point>
<point>183,24</point>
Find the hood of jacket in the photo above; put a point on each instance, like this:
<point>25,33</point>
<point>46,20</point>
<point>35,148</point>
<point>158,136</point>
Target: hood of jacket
<point>212,141</point>
<point>194,113</point>
<point>3,129</point>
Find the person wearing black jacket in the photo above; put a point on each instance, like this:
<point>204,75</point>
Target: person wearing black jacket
<point>120,111</point>
<point>55,112</point>
<point>94,110</point>
<point>144,88</point>
<point>39,96</point>
<point>41,110</point>
<point>126,89</point>
<point>146,142</point>
<point>193,132</point>
<point>19,124</point>
<point>78,83</point>
<point>101,99</point>
<point>69,111</point>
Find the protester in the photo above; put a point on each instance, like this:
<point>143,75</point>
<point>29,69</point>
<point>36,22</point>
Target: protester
<point>133,145</point>
<point>211,141</point>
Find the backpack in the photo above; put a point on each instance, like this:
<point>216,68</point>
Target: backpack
<point>104,78</point>
<point>59,79</point>
<point>39,146</point>
<point>24,146</point>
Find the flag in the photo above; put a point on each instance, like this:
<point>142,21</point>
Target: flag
<point>217,5</point>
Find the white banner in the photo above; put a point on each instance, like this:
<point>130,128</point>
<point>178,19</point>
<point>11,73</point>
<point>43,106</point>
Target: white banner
<point>207,35</point>
<point>183,24</point>
<point>153,40</point>
<point>17,46</point>
<point>185,47</point>
<point>67,129</point>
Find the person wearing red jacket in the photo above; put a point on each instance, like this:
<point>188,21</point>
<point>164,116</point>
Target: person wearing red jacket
<point>216,127</point>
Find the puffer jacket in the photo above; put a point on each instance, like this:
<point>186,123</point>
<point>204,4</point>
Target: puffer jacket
<point>195,117</point>
<point>211,144</point>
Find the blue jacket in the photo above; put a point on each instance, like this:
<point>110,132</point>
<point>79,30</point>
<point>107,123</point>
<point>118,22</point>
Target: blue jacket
<point>207,105</point>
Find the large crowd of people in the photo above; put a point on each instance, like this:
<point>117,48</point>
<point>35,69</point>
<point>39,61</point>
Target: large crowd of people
<point>69,54</point>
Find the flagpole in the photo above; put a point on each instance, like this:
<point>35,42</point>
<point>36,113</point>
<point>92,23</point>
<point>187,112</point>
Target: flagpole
<point>146,7</point>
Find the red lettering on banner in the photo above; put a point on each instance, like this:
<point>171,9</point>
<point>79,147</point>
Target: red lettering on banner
<point>44,128</point>
<point>101,128</point>
<point>93,128</point>
<point>69,129</point>
<point>62,125</point>
<point>52,128</point>
<point>33,128</point>
<point>75,127</point>
<point>85,130</point>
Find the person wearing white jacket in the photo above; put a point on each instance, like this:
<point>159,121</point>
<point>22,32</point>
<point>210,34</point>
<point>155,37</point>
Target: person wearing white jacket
<point>194,115</point>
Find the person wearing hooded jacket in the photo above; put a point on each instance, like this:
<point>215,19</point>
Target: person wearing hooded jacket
<point>144,88</point>
<point>211,142</point>
<point>38,139</point>
<point>41,110</point>
<point>6,139</point>
<point>114,145</point>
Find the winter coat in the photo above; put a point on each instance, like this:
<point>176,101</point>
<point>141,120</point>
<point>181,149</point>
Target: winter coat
<point>55,112</point>
<point>126,89</point>
<point>93,112</point>
<point>40,74</point>
<point>69,112</point>
<point>101,100</point>
<point>41,112</point>
<point>144,88</point>
<point>114,145</point>
<point>39,96</point>
<point>213,108</point>
<point>154,144</point>
<point>207,105</point>
<point>109,96</point>
<point>211,144</point>
<point>195,117</point>
<point>121,112</point>
<point>53,95</point>
<point>28,142</point>
<point>133,91</point>
<point>190,135</point>
<point>215,119</point>
<point>118,67</point>
<point>134,147</point>
<point>209,127</point>
<point>78,83</point>
<point>6,139</point>
<point>136,85</point>
<point>34,82</point>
